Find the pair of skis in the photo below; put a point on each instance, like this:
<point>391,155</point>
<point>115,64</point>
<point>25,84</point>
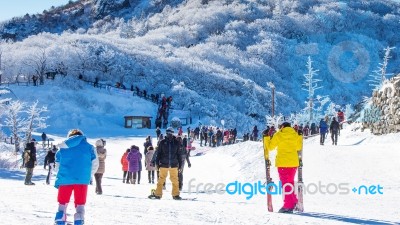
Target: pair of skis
<point>300,185</point>
<point>299,206</point>
<point>269,182</point>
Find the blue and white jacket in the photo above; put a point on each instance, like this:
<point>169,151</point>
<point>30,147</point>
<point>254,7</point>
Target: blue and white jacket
<point>76,161</point>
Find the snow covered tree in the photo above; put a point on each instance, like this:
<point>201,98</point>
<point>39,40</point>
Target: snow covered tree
<point>15,122</point>
<point>310,85</point>
<point>294,118</point>
<point>322,101</point>
<point>3,101</point>
<point>38,62</point>
<point>274,121</point>
<point>103,60</point>
<point>35,120</point>
<point>378,76</point>
<point>176,122</point>
<point>331,110</point>
<point>251,101</point>
<point>348,111</point>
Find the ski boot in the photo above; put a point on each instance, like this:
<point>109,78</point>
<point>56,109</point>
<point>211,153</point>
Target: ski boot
<point>153,195</point>
<point>79,217</point>
<point>284,210</point>
<point>61,216</point>
<point>177,197</point>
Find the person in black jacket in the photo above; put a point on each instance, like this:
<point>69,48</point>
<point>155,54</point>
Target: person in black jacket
<point>334,129</point>
<point>44,138</point>
<point>234,133</point>
<point>158,132</point>
<point>168,160</point>
<point>147,144</point>
<point>49,160</point>
<point>30,161</point>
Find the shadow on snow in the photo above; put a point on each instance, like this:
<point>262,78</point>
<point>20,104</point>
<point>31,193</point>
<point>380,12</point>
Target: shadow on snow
<point>346,218</point>
<point>8,174</point>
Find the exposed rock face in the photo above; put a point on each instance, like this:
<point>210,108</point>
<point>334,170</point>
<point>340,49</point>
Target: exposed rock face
<point>383,116</point>
<point>105,7</point>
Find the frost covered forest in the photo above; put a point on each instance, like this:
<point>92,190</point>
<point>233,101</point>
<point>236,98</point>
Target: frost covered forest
<point>215,57</point>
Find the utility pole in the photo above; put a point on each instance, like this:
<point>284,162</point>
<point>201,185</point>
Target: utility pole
<point>311,109</point>
<point>272,86</point>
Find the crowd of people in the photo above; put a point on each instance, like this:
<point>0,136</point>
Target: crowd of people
<point>211,136</point>
<point>168,156</point>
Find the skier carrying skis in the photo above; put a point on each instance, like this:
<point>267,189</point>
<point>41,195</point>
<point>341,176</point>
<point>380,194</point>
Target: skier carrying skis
<point>77,162</point>
<point>288,143</point>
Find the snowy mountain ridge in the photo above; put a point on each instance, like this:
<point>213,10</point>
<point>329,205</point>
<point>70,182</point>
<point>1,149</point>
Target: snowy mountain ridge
<point>214,57</point>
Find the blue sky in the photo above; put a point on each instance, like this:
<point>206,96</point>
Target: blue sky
<point>13,8</point>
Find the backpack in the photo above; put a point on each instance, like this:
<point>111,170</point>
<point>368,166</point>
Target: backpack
<point>26,156</point>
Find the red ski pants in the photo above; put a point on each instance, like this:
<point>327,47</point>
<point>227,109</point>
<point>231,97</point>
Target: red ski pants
<point>65,192</point>
<point>286,175</point>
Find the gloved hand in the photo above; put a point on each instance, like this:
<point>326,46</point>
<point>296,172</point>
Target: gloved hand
<point>189,165</point>
<point>179,170</point>
<point>35,163</point>
<point>44,166</point>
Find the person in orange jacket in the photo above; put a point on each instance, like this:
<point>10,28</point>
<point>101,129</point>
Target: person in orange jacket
<point>287,142</point>
<point>124,163</point>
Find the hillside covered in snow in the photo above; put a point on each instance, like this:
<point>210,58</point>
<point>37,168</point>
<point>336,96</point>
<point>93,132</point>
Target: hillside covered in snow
<point>359,159</point>
<point>214,57</point>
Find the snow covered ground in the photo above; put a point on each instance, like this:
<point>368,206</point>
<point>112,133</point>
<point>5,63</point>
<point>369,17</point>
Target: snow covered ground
<point>359,159</point>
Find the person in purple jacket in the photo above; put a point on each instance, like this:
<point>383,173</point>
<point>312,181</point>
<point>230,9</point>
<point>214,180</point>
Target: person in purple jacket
<point>134,158</point>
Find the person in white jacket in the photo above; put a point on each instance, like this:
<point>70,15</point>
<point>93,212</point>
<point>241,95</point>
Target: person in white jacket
<point>102,154</point>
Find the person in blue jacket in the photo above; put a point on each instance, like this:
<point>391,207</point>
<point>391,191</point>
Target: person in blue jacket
<point>323,129</point>
<point>77,162</point>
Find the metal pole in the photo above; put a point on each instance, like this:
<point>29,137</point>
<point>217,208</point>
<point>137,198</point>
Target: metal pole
<point>273,102</point>
<point>272,86</point>
<point>311,109</point>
